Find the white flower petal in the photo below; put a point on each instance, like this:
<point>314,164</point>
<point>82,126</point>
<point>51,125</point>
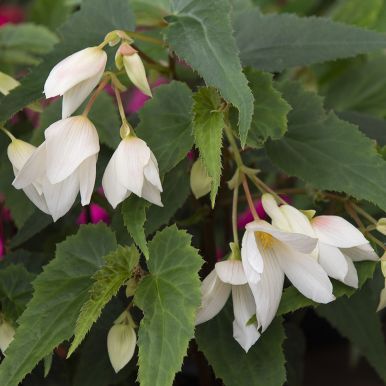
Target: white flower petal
<point>114,191</point>
<point>214,294</point>
<point>271,207</point>
<point>243,309</point>
<point>297,241</point>
<point>151,172</point>
<point>251,257</point>
<point>298,222</point>
<point>74,69</point>
<point>37,198</point>
<point>231,271</point>
<point>351,278</point>
<point>136,72</point>
<point>267,292</point>
<point>19,152</point>
<point>361,253</point>
<point>337,231</point>
<point>33,169</point>
<point>76,95</point>
<point>69,142</point>
<point>87,174</point>
<point>305,274</point>
<point>151,193</point>
<point>61,196</point>
<point>333,261</point>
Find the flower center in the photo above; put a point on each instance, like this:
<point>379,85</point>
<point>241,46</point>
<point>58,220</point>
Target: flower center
<point>265,238</point>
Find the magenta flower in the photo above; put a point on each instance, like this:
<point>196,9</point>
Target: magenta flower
<point>11,14</point>
<point>97,214</point>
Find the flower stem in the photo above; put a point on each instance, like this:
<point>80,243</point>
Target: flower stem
<point>94,96</point>
<point>232,142</point>
<point>9,134</point>
<point>234,214</point>
<point>362,212</point>
<point>249,198</point>
<point>120,105</point>
<point>146,38</point>
<point>262,186</point>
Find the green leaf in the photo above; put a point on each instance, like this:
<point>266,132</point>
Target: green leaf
<point>166,124</point>
<point>49,13</point>
<point>107,281</point>
<point>134,218</point>
<point>276,42</point>
<point>24,43</point>
<point>263,365</point>
<point>270,109</point>
<point>327,152</point>
<point>200,32</point>
<point>356,319</point>
<point>169,297</point>
<point>59,293</point>
<point>15,290</point>
<point>85,28</point>
<point>293,300</point>
<point>361,87</point>
<point>208,124</point>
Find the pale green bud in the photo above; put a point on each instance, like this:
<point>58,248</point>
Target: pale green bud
<point>381,225</point>
<point>7,83</point>
<point>7,333</point>
<point>200,182</point>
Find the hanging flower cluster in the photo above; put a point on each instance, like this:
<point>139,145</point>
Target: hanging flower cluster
<point>64,165</point>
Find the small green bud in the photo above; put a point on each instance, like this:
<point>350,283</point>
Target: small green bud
<point>381,225</point>
<point>7,333</point>
<point>200,182</point>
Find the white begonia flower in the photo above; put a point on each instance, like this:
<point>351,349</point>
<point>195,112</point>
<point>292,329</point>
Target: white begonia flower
<point>229,277</point>
<point>340,243</point>
<point>63,165</point>
<point>268,254</point>
<point>132,169</point>
<point>19,153</point>
<point>7,333</point>
<point>129,58</point>
<point>75,77</point>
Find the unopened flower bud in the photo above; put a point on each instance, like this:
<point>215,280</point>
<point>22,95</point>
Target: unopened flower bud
<point>7,83</point>
<point>7,332</point>
<point>131,286</point>
<point>381,225</point>
<point>200,182</point>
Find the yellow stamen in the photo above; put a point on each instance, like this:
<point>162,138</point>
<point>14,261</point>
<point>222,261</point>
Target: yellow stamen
<point>265,238</point>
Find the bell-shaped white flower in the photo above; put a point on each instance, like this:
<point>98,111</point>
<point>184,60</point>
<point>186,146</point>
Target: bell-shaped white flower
<point>129,58</point>
<point>63,165</point>
<point>229,277</point>
<point>269,254</point>
<point>121,341</point>
<point>7,333</point>
<point>75,77</point>
<point>19,153</point>
<point>132,169</point>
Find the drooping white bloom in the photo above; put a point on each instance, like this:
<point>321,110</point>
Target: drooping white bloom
<point>129,58</point>
<point>19,153</point>
<point>268,254</point>
<point>7,333</point>
<point>75,77</point>
<point>229,277</point>
<point>63,165</point>
<point>340,243</point>
<point>132,169</point>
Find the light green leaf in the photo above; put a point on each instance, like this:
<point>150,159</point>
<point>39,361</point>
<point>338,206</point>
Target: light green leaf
<point>27,39</point>
<point>106,282</point>
<point>208,124</point>
<point>15,290</point>
<point>134,218</point>
<point>327,152</point>
<point>356,319</point>
<point>270,109</point>
<point>169,297</point>
<point>200,32</point>
<point>276,42</point>
<point>166,124</point>
<point>263,365</point>
<point>87,27</point>
<point>59,293</point>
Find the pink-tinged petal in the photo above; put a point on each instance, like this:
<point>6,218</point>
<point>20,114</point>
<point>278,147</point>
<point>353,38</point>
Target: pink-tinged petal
<point>337,231</point>
<point>361,253</point>
<point>214,295</point>
<point>297,241</point>
<point>243,310</point>
<point>231,272</point>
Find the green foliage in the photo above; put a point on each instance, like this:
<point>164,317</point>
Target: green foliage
<point>49,13</point>
<point>166,124</point>
<point>277,42</point>
<point>85,28</point>
<point>263,365</point>
<point>59,293</point>
<point>327,152</point>
<point>15,290</point>
<point>168,297</point>
<point>200,32</point>
<point>208,124</point>
<point>356,319</point>
<point>24,43</point>
<point>270,109</point>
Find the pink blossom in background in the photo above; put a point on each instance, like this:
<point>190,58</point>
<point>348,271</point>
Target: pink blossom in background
<point>97,214</point>
<point>138,98</point>
<point>219,254</point>
<point>2,249</point>
<point>11,14</point>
